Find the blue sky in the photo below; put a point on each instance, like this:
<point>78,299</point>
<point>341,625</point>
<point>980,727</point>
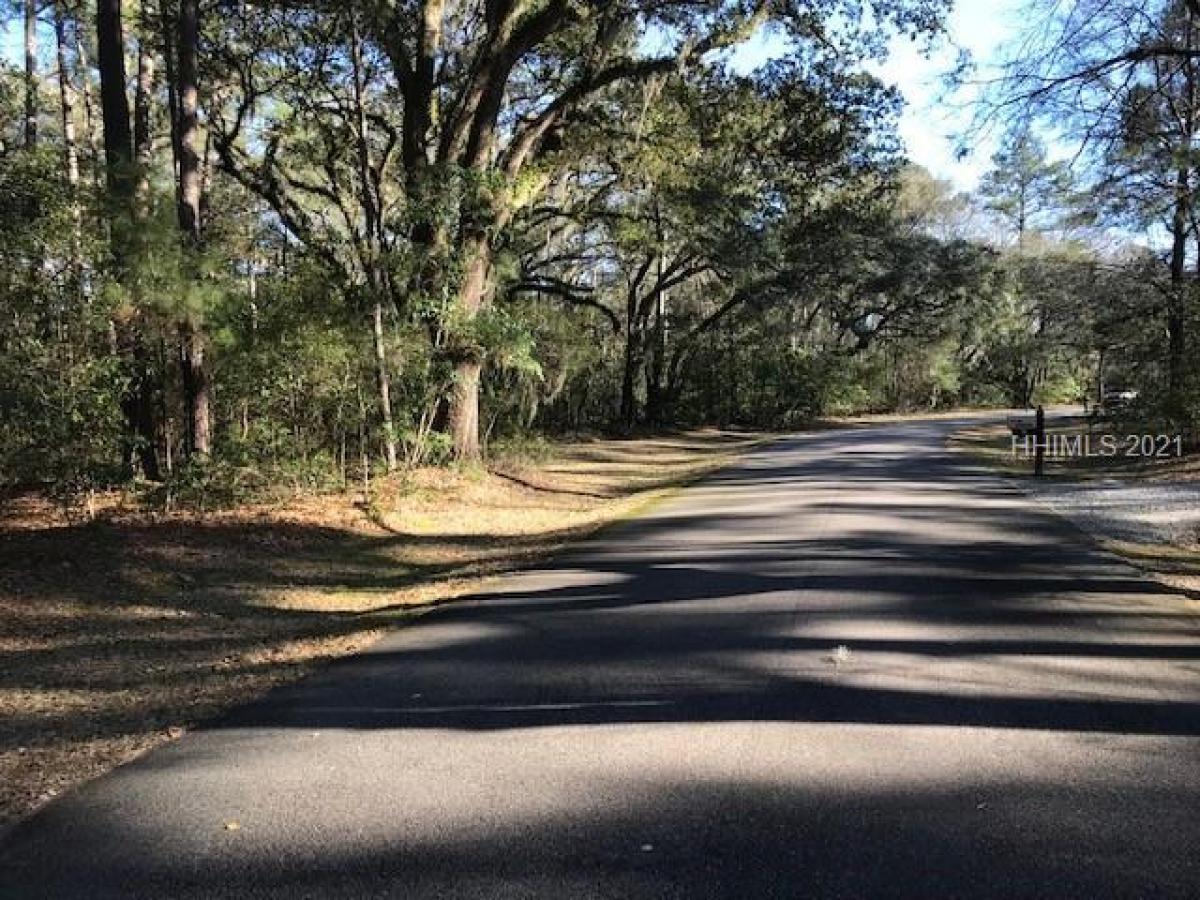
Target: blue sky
<point>930,126</point>
<point>933,124</point>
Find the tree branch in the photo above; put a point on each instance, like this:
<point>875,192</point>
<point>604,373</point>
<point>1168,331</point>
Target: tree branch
<point>577,295</point>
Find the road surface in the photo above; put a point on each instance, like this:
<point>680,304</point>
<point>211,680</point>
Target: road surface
<point>849,666</point>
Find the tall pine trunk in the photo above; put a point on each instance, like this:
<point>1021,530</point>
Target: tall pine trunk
<point>137,404</point>
<point>70,145</point>
<point>1177,302</point>
<point>31,74</point>
<point>114,111</point>
<point>1176,341</point>
<point>143,139</point>
<point>192,341</point>
<point>83,68</point>
<point>66,93</point>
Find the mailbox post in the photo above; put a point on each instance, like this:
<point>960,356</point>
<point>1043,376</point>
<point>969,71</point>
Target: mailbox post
<point>1026,426</point>
<point>1039,445</point>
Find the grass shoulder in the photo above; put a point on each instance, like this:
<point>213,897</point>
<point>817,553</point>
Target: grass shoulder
<point>1083,449</point>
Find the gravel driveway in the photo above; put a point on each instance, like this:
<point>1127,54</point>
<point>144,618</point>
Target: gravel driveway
<point>1160,512</point>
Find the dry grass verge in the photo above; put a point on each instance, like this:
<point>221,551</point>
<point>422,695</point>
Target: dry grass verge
<point>120,634</point>
<point>1176,566</point>
<point>991,444</point>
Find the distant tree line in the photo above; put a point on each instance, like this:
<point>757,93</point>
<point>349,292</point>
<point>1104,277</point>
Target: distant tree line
<point>1120,80</point>
<point>246,243</point>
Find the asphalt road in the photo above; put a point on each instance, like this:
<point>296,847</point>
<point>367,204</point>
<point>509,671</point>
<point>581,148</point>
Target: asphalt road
<point>664,713</point>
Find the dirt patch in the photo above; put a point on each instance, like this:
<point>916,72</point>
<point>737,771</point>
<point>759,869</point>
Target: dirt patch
<point>120,634</point>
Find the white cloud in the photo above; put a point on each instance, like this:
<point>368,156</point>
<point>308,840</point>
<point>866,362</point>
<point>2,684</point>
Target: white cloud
<point>935,121</point>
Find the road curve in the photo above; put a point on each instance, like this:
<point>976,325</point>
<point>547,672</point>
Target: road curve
<point>849,666</point>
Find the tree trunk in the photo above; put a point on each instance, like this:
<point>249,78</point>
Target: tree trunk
<point>1176,339</point>
<point>383,384</point>
<point>143,146</point>
<point>1177,303</point>
<point>634,356</point>
<point>83,67</point>
<point>656,396</point>
<point>137,405</point>
<point>70,146</point>
<point>362,140</point>
<point>372,261</point>
<point>66,97</point>
<point>195,389</point>
<point>140,439</point>
<point>463,413</point>
<point>114,105</point>
<point>657,412</point>
<point>31,75</point>
<point>190,143</point>
<point>633,362</point>
<point>167,25</point>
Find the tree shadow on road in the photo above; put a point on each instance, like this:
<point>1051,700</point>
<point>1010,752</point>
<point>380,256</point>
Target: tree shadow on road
<point>941,833</point>
<point>957,607</point>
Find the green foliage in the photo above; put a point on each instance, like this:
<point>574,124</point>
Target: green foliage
<point>1028,191</point>
<point>61,415</point>
<point>59,387</point>
<point>691,246</point>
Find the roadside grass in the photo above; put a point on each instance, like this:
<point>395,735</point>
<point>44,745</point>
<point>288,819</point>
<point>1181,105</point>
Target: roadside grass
<point>120,634</point>
<point>1169,559</point>
<point>1176,566</point>
<point>991,444</point>
<point>923,415</point>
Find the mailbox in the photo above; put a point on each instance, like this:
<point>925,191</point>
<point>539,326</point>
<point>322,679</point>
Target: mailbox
<point>1023,425</point>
